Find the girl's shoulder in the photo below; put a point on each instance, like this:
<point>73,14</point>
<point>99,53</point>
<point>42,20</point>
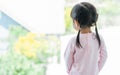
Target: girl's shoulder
<point>100,35</point>
<point>72,39</point>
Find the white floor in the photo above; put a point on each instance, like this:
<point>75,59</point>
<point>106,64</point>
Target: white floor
<point>112,66</point>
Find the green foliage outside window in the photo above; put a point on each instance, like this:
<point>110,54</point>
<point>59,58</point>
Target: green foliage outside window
<point>29,54</point>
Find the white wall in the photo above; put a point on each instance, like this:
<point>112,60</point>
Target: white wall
<point>40,16</point>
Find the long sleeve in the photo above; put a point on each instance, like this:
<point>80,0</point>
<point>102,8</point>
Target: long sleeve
<point>103,55</point>
<point>68,55</point>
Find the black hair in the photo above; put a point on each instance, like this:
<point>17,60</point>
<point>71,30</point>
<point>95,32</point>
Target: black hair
<point>86,15</point>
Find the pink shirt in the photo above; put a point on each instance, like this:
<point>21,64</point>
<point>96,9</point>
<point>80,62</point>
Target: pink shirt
<point>87,60</point>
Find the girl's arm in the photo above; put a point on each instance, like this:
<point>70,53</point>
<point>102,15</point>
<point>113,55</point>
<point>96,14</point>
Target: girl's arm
<point>68,55</point>
<point>103,55</point>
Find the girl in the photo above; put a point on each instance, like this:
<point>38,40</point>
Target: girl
<point>86,53</point>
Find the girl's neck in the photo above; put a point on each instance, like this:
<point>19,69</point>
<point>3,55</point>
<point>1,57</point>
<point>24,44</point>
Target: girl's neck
<point>85,30</point>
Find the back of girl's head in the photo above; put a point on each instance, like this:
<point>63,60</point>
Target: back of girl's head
<point>85,13</point>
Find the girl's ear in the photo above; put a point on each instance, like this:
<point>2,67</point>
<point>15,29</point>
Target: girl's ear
<point>76,25</point>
